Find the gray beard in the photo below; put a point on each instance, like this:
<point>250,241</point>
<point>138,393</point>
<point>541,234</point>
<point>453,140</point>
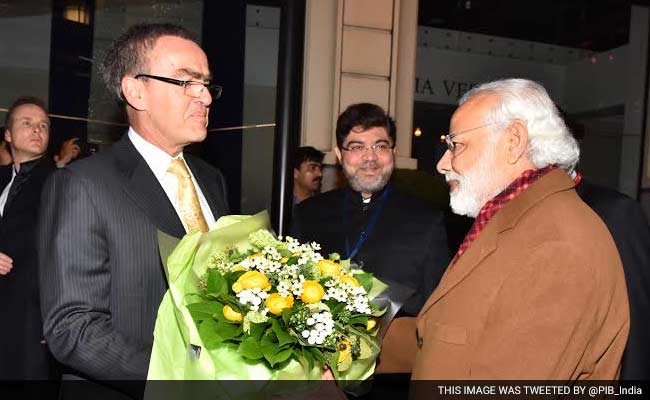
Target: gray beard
<point>368,187</point>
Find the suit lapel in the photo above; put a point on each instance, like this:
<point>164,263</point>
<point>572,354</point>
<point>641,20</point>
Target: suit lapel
<point>141,185</point>
<point>482,247</point>
<point>487,242</point>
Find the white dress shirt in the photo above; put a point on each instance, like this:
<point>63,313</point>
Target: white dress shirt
<point>159,162</point>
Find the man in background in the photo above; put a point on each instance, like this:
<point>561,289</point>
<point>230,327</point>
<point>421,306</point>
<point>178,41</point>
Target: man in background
<point>386,232</point>
<point>101,275</point>
<point>23,352</point>
<point>629,228</point>
<point>307,173</point>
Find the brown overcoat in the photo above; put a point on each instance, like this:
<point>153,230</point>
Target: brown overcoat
<point>540,294</point>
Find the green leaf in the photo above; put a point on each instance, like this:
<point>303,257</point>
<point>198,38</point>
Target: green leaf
<point>208,333</point>
<point>257,330</point>
<point>366,350</point>
<point>335,307</point>
<point>282,333</point>
<point>308,357</point>
<point>216,284</point>
<point>361,320</point>
<point>281,356</point>
<point>318,355</point>
<point>205,310</point>
<point>270,350</point>
<point>365,280</point>
<point>250,348</point>
<point>286,314</point>
<point>227,330</point>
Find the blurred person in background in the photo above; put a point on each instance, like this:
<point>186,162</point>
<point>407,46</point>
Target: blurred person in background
<point>307,173</point>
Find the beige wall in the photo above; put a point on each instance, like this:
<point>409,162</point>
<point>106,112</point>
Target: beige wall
<point>358,51</point>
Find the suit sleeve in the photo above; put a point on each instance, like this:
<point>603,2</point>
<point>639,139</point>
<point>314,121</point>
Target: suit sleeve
<point>399,347</point>
<point>437,259</point>
<point>432,265</point>
<point>560,298</point>
<point>295,230</point>
<point>75,281</point>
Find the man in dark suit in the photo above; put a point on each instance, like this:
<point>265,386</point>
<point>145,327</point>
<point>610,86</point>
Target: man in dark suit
<point>100,270</point>
<point>386,232</point>
<point>629,229</point>
<point>23,353</point>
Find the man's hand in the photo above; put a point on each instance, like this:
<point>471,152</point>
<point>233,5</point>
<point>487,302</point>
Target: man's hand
<point>69,151</point>
<point>6,264</point>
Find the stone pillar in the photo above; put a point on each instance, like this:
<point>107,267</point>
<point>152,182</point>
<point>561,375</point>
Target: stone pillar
<point>358,51</point>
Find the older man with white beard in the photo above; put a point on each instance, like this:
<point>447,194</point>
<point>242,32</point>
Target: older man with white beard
<point>386,232</point>
<point>536,290</point>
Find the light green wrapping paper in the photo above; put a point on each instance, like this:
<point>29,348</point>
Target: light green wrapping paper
<point>175,333</point>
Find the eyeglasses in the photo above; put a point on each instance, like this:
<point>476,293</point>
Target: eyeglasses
<point>190,88</point>
<point>449,138</point>
<point>379,148</point>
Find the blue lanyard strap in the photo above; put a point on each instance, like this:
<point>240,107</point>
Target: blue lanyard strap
<point>374,218</point>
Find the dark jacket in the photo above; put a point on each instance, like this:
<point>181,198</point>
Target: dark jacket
<point>100,270</point>
<point>629,228</point>
<point>408,245</point>
<point>22,353</point>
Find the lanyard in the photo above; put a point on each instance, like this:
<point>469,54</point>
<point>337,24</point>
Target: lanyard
<point>368,228</point>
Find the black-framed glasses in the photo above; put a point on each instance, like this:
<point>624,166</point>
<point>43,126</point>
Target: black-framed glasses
<point>380,148</point>
<point>190,88</point>
<point>449,138</point>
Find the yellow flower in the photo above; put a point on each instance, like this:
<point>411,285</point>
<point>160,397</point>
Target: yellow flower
<point>312,292</point>
<point>238,267</point>
<point>284,260</point>
<point>251,280</point>
<point>345,350</point>
<point>329,268</point>
<point>276,303</point>
<point>350,280</point>
<point>231,315</point>
<point>370,325</point>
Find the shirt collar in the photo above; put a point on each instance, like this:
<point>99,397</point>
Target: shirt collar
<point>357,199</point>
<point>27,166</point>
<point>155,157</point>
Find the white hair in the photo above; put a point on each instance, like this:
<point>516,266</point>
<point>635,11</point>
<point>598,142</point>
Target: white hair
<point>549,140</point>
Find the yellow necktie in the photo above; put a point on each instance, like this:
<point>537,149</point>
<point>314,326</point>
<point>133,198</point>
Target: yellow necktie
<point>188,200</point>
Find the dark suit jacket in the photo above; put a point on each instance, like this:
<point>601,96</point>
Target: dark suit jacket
<point>629,228</point>
<point>100,271</point>
<point>408,245</point>
<point>22,356</point>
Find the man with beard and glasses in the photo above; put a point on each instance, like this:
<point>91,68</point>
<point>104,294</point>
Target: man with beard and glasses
<point>307,173</point>
<point>388,233</point>
<point>536,291</point>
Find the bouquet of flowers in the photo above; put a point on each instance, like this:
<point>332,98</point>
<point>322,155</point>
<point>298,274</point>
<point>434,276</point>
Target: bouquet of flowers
<point>243,304</point>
